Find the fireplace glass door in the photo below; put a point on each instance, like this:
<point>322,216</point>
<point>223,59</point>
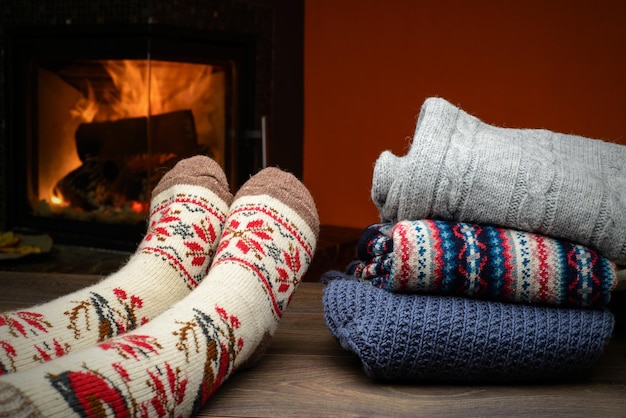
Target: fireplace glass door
<point>96,118</point>
<point>107,129</point>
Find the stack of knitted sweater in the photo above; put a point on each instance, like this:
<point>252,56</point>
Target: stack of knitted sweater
<point>495,257</point>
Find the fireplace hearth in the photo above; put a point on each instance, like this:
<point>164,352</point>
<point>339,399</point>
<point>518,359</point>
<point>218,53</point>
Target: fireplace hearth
<point>98,104</point>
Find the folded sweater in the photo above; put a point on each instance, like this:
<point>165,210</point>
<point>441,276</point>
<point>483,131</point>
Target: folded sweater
<point>462,169</point>
<point>482,262</point>
<point>423,338</point>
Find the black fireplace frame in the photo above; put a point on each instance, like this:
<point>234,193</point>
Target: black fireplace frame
<point>30,46</point>
<point>268,35</point>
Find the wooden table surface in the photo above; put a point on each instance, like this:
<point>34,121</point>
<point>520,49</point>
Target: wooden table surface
<point>305,373</point>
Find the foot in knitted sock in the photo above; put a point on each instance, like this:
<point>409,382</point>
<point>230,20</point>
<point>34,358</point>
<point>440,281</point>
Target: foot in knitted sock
<point>462,169</point>
<point>173,364</point>
<point>188,210</point>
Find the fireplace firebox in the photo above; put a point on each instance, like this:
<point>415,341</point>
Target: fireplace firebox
<point>96,114</point>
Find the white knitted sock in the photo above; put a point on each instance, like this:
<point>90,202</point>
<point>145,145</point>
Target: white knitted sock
<point>187,215</point>
<point>461,169</point>
<point>173,364</point>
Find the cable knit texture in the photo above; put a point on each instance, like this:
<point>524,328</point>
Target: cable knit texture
<point>460,168</point>
<point>482,262</point>
<point>452,339</point>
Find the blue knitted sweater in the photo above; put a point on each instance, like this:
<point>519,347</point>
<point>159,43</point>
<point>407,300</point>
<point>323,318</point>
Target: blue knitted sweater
<point>454,339</point>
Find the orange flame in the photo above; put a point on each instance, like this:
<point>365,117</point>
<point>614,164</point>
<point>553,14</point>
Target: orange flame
<point>138,88</point>
<point>139,207</point>
<point>144,88</point>
<point>57,199</point>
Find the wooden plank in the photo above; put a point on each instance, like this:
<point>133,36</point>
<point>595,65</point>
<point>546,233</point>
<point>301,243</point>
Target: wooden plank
<point>306,373</point>
<point>324,386</point>
<point>22,289</point>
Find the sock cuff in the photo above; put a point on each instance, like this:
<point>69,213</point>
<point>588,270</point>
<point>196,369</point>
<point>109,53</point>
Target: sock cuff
<point>198,170</point>
<point>14,404</point>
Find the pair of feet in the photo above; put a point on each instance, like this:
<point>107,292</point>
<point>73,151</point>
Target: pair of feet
<point>201,297</point>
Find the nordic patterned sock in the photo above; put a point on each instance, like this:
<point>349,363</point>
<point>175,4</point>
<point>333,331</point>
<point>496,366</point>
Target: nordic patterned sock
<point>482,262</point>
<point>187,214</point>
<point>173,364</point>
<point>462,169</point>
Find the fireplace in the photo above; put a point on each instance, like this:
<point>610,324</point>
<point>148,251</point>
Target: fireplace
<point>96,113</point>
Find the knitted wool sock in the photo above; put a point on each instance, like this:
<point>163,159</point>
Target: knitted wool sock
<point>459,168</point>
<point>482,262</point>
<point>451,339</point>
<point>173,364</point>
<point>187,215</point>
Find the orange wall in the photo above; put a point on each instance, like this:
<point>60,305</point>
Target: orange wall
<point>369,64</point>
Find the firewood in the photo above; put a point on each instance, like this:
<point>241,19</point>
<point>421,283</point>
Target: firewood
<point>113,182</point>
<point>166,133</point>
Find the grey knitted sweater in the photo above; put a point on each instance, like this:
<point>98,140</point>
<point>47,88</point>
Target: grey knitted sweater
<point>462,169</point>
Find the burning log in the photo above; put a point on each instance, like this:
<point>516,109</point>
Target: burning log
<point>99,183</point>
<point>172,132</point>
<point>120,157</point>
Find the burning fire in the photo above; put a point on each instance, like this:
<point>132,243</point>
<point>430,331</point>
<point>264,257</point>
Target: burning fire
<point>139,207</point>
<point>138,88</point>
<point>144,88</point>
<point>57,199</point>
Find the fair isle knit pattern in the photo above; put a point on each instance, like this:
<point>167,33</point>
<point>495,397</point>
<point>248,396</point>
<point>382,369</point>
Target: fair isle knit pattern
<point>461,169</point>
<point>187,216</point>
<point>172,365</point>
<point>426,338</point>
<point>482,262</point>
